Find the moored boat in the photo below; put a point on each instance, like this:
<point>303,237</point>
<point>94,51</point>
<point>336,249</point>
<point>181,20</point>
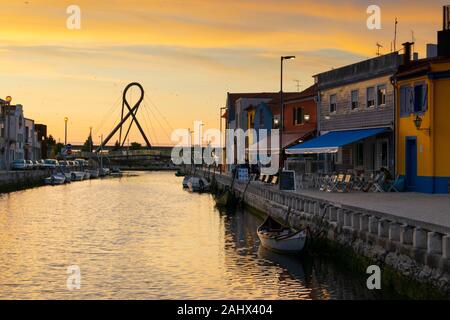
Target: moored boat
<point>196,184</point>
<point>94,173</point>
<point>77,175</point>
<point>180,174</point>
<point>186,181</point>
<point>55,179</point>
<point>279,238</point>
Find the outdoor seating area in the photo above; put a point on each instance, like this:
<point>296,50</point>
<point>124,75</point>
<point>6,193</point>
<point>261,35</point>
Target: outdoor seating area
<point>350,181</point>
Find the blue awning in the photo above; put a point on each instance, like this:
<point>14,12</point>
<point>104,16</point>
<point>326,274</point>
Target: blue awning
<point>331,141</point>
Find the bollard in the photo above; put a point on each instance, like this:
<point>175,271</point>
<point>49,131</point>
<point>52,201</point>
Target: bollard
<point>434,243</point>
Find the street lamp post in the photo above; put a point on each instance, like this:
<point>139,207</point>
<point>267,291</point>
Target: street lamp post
<point>282,110</point>
<point>65,130</point>
<point>220,142</point>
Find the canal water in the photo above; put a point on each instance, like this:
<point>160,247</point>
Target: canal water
<point>144,237</point>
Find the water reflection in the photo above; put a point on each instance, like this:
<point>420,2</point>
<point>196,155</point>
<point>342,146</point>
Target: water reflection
<point>144,237</point>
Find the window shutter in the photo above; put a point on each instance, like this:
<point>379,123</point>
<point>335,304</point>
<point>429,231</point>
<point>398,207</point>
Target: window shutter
<point>410,100</point>
<point>425,98</point>
<point>402,101</point>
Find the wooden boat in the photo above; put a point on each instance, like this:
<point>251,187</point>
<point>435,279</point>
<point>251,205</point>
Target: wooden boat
<point>55,179</point>
<point>196,184</point>
<point>77,175</point>
<point>279,238</point>
<point>185,181</point>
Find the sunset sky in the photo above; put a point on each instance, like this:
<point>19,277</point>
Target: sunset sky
<point>186,54</point>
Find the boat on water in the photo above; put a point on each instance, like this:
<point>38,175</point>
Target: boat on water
<point>196,184</point>
<point>95,173</point>
<point>55,179</point>
<point>180,174</point>
<point>185,182</point>
<point>274,236</point>
<point>87,175</point>
<point>116,172</point>
<point>77,175</point>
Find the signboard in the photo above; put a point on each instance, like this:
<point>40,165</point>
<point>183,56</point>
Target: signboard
<point>242,174</point>
<point>287,180</point>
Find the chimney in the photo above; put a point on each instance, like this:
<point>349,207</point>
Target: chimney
<point>431,50</point>
<point>444,35</point>
<point>407,52</point>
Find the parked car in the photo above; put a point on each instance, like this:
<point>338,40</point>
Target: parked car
<point>30,165</point>
<point>19,165</point>
<point>63,163</point>
<point>51,163</point>
<point>39,164</point>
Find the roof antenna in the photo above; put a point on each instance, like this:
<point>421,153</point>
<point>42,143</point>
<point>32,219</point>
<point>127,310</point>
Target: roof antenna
<point>413,40</point>
<point>378,49</point>
<point>395,35</point>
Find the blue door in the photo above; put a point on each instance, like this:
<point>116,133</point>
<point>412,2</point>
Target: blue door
<point>411,163</point>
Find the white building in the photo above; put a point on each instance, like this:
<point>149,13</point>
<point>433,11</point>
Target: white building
<point>18,137</point>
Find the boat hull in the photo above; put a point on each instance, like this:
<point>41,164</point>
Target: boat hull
<point>291,245</point>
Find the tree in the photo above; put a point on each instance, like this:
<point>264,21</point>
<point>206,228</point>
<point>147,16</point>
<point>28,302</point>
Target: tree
<point>135,146</point>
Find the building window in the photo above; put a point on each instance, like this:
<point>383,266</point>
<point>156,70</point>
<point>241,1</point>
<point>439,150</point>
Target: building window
<point>381,95</point>
<point>370,97</point>
<point>420,98</point>
<point>359,155</point>
<point>355,99</point>
<point>333,105</point>
<point>298,116</point>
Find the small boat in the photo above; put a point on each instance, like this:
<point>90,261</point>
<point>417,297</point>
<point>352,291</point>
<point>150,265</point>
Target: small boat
<point>185,181</point>
<point>196,184</point>
<point>94,173</point>
<point>180,174</point>
<point>55,179</point>
<point>274,236</point>
<point>116,172</point>
<point>67,176</point>
<point>77,175</point>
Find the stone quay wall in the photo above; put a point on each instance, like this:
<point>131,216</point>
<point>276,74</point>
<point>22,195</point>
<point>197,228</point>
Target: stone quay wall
<point>17,180</point>
<point>415,249</point>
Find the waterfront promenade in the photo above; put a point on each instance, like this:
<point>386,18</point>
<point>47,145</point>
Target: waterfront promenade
<point>408,232</point>
<point>433,209</point>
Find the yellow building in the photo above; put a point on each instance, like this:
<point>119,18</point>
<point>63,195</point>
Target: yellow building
<point>423,124</point>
